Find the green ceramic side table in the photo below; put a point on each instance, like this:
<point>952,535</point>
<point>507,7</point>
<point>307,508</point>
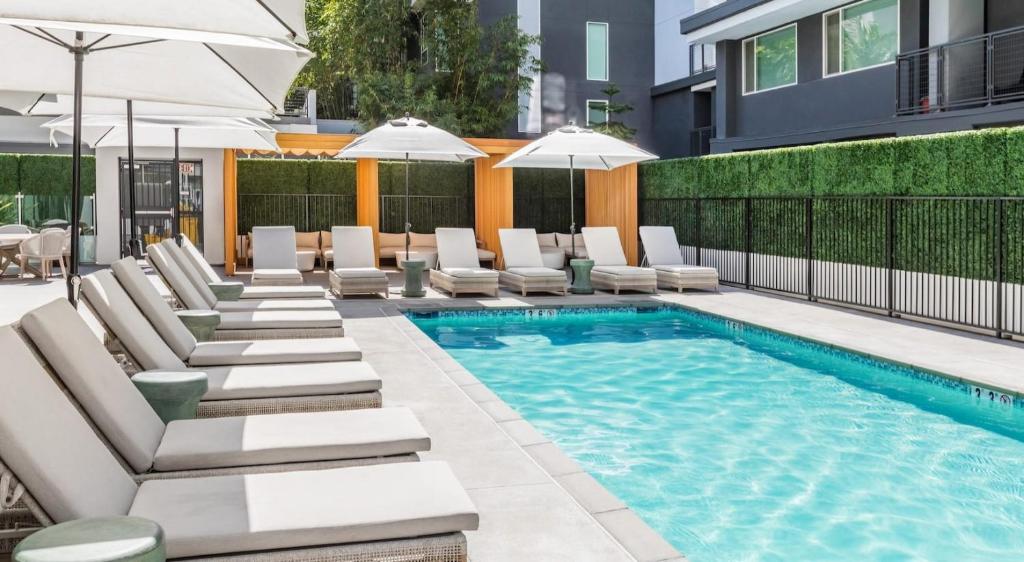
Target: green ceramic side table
<point>581,277</point>
<point>202,323</point>
<point>227,290</point>
<point>413,278</point>
<point>103,539</point>
<point>174,395</point>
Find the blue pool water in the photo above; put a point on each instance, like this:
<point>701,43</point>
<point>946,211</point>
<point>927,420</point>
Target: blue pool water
<point>737,444</point>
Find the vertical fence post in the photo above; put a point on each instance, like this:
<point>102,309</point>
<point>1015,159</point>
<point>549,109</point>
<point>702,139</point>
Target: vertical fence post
<point>306,199</point>
<point>748,246</point>
<point>1000,273</point>
<point>20,198</point>
<point>700,227</point>
<point>809,245</point>
<point>890,251</point>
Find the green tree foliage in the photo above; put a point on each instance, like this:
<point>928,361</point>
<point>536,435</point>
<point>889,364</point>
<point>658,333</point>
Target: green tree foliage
<point>436,62</point>
<point>614,126</point>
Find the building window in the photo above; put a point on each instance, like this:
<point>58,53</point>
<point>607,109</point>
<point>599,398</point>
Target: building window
<point>597,51</point>
<point>769,60</point>
<point>861,35</point>
<point>597,112</point>
<point>702,58</point>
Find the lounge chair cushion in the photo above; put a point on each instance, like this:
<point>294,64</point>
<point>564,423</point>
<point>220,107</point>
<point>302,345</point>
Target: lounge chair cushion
<point>96,381</point>
<point>355,247</point>
<point>520,248</point>
<point>392,240</point>
<point>117,310</point>
<point>193,275</point>
<point>274,248</point>
<point>417,239</point>
<point>627,271</point>
<point>49,447</point>
<point>470,272</point>
<point>262,352</point>
<point>661,245</point>
<point>536,272</point>
<point>308,241</point>
<point>456,248</point>
<point>243,382</point>
<point>547,239</point>
<point>184,291</point>
<point>279,304</point>
<point>360,273</point>
<point>684,270</point>
<point>485,255</point>
<point>262,512</point>
<point>289,438</point>
<point>604,245</point>
<point>198,261</point>
<point>279,320</point>
<point>282,292</point>
<point>148,300</point>
<point>288,275</point>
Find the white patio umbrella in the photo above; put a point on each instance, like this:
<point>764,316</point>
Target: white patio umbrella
<point>100,131</point>
<point>56,105</point>
<point>410,139</point>
<point>575,148</point>
<point>230,54</point>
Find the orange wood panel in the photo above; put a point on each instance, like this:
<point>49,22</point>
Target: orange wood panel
<point>313,141</point>
<point>368,199</point>
<point>612,201</point>
<point>230,209</point>
<point>493,194</point>
<point>498,146</point>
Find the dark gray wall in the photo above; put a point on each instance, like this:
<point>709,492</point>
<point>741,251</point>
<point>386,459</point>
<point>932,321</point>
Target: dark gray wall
<point>1004,14</point>
<point>673,121</point>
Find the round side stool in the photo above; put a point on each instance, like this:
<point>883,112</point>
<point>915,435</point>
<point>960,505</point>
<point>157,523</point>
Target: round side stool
<point>174,395</point>
<point>202,323</point>
<point>102,539</point>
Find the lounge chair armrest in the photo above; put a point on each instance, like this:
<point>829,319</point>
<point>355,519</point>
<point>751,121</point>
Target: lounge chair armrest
<point>227,290</point>
<point>174,395</point>
<point>202,323</point>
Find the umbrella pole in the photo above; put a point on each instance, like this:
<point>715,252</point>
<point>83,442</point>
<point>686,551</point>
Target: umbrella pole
<point>133,242</point>
<point>76,171</point>
<point>176,186</point>
<point>572,208</point>
<point>407,225</point>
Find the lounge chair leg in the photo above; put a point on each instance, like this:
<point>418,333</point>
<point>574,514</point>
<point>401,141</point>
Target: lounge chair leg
<point>524,291</point>
<point>616,290</point>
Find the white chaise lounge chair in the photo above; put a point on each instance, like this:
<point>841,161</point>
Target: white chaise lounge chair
<point>213,280</point>
<point>248,444</point>
<point>239,389</point>
<point>64,472</point>
<point>611,270</point>
<point>458,264</point>
<point>524,265</point>
<point>355,266</point>
<point>116,309</point>
<point>274,261</point>
<point>253,324</point>
<point>662,250</point>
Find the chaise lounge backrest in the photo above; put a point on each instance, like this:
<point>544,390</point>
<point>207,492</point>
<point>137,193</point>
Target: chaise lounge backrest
<point>195,257</point>
<point>196,279</point>
<point>96,381</point>
<point>520,247</point>
<point>151,304</point>
<point>604,246</point>
<point>184,291</point>
<point>354,247</point>
<point>456,248</point>
<point>111,303</point>
<point>274,247</point>
<point>660,245</point>
<point>50,448</point>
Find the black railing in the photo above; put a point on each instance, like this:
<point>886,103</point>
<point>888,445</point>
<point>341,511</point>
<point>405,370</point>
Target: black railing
<point>700,140</point>
<point>951,259</point>
<point>971,72</point>
<point>426,212</point>
<point>307,213</point>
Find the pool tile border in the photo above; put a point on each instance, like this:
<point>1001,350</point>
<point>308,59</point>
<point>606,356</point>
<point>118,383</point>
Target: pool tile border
<point>627,528</point>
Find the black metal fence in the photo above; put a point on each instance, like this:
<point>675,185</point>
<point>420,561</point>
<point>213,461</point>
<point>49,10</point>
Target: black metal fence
<point>307,213</point>
<point>952,259</point>
<point>426,212</point>
<point>970,72</point>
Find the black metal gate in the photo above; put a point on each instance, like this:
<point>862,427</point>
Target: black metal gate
<point>157,206</point>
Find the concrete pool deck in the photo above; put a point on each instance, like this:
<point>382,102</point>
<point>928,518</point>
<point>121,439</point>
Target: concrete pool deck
<point>536,503</point>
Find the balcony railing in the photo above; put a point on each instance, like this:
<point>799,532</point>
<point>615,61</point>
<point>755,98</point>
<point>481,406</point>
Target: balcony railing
<point>972,72</point>
<point>700,140</point>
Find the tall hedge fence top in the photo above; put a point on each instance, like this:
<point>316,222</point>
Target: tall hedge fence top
<point>982,163</point>
<point>43,174</point>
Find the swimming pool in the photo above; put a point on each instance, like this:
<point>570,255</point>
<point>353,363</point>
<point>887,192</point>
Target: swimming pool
<point>738,444</point>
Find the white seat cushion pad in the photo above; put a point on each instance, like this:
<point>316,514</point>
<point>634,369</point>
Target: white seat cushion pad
<point>262,352</point>
<point>281,304</point>
<point>281,274</point>
<point>241,382</point>
<point>536,272</point>
<point>360,273</point>
<point>206,516</point>
<point>470,272</point>
<point>289,438</point>
<point>282,292</point>
<point>687,270</point>
<point>627,271</point>
<point>279,319</point>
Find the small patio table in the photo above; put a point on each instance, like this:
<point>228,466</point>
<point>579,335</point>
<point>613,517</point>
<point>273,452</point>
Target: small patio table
<point>9,248</point>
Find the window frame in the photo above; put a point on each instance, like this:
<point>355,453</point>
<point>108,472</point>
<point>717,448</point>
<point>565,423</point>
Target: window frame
<point>824,40</point>
<point>607,114</point>
<point>607,54</point>
<point>743,59</point>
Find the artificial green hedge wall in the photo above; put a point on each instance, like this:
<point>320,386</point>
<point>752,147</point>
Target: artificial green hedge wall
<point>541,199</point>
<point>43,174</point>
<point>427,178</point>
<point>973,163</point>
<point>267,176</point>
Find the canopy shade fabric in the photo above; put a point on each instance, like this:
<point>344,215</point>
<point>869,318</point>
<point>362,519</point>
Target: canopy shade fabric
<point>62,104</point>
<point>412,139</point>
<point>577,148</point>
<point>99,131</point>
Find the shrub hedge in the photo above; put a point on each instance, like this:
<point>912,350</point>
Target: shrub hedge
<point>974,163</point>
<point>541,199</point>
<point>43,174</point>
